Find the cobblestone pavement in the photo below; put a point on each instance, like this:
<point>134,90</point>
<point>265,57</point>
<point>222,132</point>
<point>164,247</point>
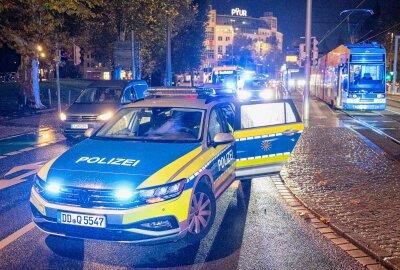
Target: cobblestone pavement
<point>27,124</point>
<point>356,188</point>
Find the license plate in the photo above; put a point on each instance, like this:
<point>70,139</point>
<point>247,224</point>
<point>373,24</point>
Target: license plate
<point>81,220</point>
<point>79,126</point>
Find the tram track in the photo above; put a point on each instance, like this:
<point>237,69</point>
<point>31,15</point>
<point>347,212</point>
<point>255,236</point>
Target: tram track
<point>373,128</point>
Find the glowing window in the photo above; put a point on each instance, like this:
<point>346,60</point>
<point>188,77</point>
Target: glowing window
<point>259,115</point>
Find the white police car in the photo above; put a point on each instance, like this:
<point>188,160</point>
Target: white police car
<point>154,171</point>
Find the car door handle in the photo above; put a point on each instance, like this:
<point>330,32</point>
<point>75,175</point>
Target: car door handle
<point>289,132</point>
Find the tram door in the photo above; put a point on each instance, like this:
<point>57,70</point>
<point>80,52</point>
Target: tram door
<point>342,86</point>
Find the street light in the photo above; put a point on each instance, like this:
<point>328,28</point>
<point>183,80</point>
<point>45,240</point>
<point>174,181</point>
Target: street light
<point>43,55</point>
<point>39,48</point>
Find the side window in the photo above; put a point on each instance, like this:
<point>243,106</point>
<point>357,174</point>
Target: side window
<point>214,125</point>
<point>229,117</point>
<point>290,116</point>
<point>260,115</point>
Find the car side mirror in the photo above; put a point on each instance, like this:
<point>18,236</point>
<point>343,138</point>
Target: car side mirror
<point>89,132</point>
<point>223,138</point>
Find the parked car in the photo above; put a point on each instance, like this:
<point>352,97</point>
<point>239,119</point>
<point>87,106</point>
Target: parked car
<point>98,103</point>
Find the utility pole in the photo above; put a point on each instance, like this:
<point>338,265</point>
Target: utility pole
<point>396,51</point>
<point>169,75</point>
<point>307,68</point>
<point>133,56</point>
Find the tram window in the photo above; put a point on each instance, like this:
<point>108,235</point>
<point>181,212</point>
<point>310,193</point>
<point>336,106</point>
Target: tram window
<point>260,115</point>
<point>290,117</point>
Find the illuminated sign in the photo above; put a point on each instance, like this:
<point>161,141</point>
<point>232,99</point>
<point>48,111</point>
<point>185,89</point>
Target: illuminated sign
<point>291,58</point>
<point>238,12</point>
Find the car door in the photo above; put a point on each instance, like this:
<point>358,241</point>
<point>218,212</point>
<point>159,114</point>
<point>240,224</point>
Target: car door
<point>265,135</point>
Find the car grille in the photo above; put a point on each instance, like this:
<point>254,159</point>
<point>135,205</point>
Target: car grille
<point>81,118</point>
<point>90,198</point>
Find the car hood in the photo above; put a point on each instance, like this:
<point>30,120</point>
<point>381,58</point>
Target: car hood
<point>91,109</point>
<point>106,164</point>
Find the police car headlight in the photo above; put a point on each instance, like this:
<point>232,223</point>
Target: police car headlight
<point>105,116</point>
<point>243,95</point>
<point>124,194</point>
<point>63,116</point>
<point>162,193</point>
<point>53,188</point>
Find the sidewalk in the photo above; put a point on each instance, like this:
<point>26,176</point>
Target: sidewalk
<point>27,124</point>
<point>354,187</point>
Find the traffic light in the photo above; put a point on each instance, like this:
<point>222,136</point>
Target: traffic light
<point>64,56</point>
<point>77,55</point>
<point>389,77</point>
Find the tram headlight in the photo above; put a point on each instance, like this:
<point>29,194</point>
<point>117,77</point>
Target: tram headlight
<point>380,96</point>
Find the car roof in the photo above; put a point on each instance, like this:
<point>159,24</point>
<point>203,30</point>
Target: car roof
<point>108,83</point>
<point>182,102</point>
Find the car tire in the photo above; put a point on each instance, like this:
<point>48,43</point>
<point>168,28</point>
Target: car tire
<point>202,211</point>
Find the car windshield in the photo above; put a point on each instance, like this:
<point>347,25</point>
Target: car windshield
<point>255,85</point>
<point>154,123</point>
<point>99,95</point>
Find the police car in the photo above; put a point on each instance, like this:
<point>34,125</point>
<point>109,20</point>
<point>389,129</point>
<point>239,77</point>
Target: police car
<point>154,171</point>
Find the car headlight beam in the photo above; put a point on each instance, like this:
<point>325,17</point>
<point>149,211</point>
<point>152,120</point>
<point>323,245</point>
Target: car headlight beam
<point>243,95</point>
<point>105,116</point>
<point>63,116</point>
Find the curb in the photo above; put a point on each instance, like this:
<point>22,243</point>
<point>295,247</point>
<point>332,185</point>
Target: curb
<point>341,234</point>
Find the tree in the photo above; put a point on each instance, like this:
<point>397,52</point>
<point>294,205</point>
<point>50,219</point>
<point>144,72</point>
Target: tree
<point>188,44</point>
<point>25,25</point>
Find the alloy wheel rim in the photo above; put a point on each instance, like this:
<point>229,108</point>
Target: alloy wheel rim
<point>199,213</point>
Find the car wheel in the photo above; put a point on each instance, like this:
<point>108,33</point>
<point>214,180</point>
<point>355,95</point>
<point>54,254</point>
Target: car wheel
<point>201,213</point>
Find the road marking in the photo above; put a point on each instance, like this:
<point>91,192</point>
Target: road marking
<point>11,238</point>
<point>32,147</point>
<point>32,167</point>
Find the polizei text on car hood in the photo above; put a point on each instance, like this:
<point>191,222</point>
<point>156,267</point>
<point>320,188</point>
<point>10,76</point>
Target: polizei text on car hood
<point>106,164</point>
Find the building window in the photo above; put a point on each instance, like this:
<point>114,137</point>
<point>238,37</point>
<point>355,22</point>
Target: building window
<point>227,38</point>
<point>219,38</point>
<point>219,49</point>
<point>88,65</point>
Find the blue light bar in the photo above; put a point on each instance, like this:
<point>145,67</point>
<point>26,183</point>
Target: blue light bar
<point>179,92</point>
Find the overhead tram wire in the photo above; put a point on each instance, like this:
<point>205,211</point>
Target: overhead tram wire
<point>329,32</point>
<point>380,33</point>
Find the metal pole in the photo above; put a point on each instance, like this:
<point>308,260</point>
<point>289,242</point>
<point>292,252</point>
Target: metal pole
<point>169,75</point>
<point>396,51</point>
<point>58,87</point>
<point>306,104</point>
<point>69,97</point>
<point>133,56</point>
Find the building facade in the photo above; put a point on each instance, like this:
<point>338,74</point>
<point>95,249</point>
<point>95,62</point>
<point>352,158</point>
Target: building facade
<point>222,29</point>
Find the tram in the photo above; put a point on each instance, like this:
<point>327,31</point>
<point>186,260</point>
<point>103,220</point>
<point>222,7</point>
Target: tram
<point>352,77</point>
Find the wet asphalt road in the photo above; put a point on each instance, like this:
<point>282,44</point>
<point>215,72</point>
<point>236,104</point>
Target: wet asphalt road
<point>254,229</point>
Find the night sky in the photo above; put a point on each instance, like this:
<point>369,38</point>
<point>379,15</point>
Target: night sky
<point>291,16</point>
